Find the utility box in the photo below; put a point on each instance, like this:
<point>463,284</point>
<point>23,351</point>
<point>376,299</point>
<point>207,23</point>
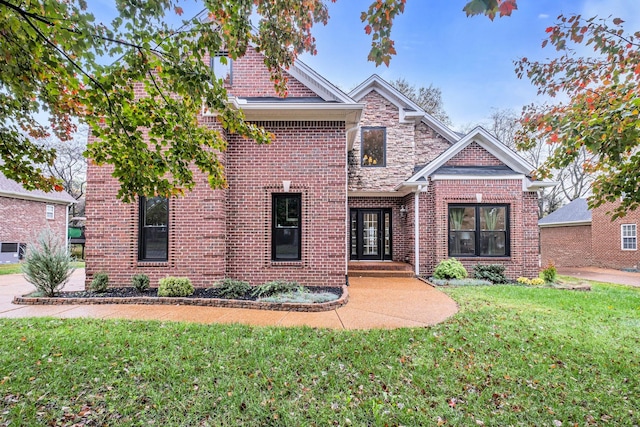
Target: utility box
<point>11,253</point>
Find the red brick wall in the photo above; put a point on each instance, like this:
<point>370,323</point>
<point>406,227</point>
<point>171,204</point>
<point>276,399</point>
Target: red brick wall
<point>22,220</point>
<point>474,155</point>
<point>312,156</point>
<point>566,246</point>
<point>523,259</point>
<point>251,78</point>
<point>606,242</point>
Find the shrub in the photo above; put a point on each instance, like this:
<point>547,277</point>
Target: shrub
<point>491,272</point>
<point>536,281</point>
<point>301,297</point>
<point>47,263</point>
<point>523,281</point>
<point>275,287</point>
<point>140,282</point>
<point>175,287</point>
<point>549,273</point>
<point>459,282</point>
<point>231,288</point>
<point>100,282</point>
<point>450,269</point>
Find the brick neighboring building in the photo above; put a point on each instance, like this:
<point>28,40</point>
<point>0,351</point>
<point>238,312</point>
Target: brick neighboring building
<point>575,236</point>
<point>24,214</point>
<point>364,176</point>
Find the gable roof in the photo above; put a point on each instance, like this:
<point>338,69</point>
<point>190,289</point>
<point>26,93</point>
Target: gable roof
<point>520,168</point>
<point>576,212</point>
<point>10,188</point>
<point>409,110</point>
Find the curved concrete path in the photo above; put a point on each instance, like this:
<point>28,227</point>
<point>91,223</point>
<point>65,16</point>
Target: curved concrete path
<point>598,274</point>
<point>373,303</point>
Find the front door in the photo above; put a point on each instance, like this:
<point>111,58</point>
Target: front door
<point>371,234</point>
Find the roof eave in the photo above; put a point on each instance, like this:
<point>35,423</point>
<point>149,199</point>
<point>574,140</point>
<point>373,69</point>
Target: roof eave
<point>36,198</point>
<point>564,224</point>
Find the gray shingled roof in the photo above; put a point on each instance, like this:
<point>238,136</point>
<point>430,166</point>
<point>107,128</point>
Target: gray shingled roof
<point>10,188</point>
<point>574,212</point>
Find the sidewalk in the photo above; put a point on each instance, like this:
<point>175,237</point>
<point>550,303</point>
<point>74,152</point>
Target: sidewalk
<point>602,275</point>
<point>374,303</point>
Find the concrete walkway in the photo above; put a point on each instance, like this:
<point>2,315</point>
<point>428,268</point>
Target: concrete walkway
<point>373,303</point>
<point>602,275</point>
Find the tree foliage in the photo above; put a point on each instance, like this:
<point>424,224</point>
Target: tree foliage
<point>428,98</point>
<point>599,124</point>
<point>53,61</point>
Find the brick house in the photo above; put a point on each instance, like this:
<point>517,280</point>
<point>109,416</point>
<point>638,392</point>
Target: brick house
<point>24,214</point>
<point>576,236</point>
<point>348,178</point>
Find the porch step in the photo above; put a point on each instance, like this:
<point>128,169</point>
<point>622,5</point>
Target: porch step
<point>380,269</point>
<point>380,273</point>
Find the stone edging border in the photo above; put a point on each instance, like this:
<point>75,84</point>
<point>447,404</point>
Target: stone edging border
<point>203,302</point>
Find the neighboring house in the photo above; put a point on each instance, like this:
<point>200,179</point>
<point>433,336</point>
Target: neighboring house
<point>364,176</point>
<point>24,214</point>
<point>575,236</point>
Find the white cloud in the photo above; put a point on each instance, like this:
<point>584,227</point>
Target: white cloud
<point>543,16</point>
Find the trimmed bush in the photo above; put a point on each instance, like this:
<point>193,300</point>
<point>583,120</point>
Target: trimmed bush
<point>536,281</point>
<point>549,273</point>
<point>523,281</point>
<point>491,272</point>
<point>450,269</point>
<point>231,288</point>
<point>47,263</point>
<point>175,287</point>
<point>140,282</point>
<point>100,282</point>
<point>275,287</point>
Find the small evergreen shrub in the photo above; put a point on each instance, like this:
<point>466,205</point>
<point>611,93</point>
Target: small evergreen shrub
<point>549,273</point>
<point>100,282</point>
<point>275,287</point>
<point>231,288</point>
<point>491,272</point>
<point>175,287</point>
<point>536,281</point>
<point>47,263</point>
<point>450,269</point>
<point>140,282</point>
<point>523,281</point>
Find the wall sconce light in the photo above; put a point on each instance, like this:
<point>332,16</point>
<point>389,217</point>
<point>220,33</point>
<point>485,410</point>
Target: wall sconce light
<point>479,197</point>
<point>403,211</point>
<point>286,185</point>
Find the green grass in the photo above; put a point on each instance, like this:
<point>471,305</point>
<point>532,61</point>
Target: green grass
<point>17,269</point>
<point>514,355</point>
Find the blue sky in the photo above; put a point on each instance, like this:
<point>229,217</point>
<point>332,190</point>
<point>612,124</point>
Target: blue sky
<point>469,59</point>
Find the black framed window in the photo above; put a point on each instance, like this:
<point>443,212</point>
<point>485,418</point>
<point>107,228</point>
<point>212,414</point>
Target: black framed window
<point>479,230</point>
<point>286,230</point>
<point>153,243</point>
<point>373,150</point>
<point>222,67</point>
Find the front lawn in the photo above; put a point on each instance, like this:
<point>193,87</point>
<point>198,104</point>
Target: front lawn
<point>17,268</point>
<point>514,355</point>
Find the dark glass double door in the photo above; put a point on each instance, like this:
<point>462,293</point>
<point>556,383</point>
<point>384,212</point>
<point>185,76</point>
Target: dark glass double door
<point>370,234</point>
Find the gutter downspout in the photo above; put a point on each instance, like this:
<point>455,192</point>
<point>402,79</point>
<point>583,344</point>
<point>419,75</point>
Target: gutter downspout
<point>66,227</point>
<point>416,230</point>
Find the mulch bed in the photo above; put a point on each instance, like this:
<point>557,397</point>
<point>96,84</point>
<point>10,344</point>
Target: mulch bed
<point>208,297</point>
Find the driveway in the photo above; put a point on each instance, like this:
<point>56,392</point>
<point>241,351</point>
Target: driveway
<point>602,275</point>
<point>374,303</point>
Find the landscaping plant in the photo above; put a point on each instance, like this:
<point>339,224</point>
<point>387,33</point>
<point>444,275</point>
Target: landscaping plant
<point>450,269</point>
<point>175,287</point>
<point>274,287</point>
<point>140,282</point>
<point>549,273</point>
<point>100,282</point>
<point>491,272</point>
<point>234,289</point>
<point>47,264</point>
